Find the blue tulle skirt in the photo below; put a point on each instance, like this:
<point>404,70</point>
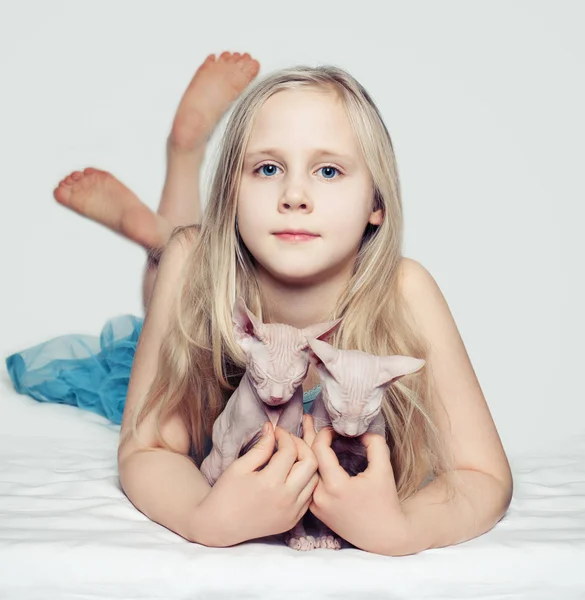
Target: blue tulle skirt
<point>87,371</point>
<point>81,370</point>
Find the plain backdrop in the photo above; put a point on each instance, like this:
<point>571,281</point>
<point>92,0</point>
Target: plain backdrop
<point>484,102</point>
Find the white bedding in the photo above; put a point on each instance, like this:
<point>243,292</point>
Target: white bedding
<point>68,531</point>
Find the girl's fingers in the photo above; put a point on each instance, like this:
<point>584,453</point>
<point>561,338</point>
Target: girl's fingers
<point>309,433</point>
<point>304,468</point>
<point>284,458</point>
<point>331,472</point>
<point>378,453</point>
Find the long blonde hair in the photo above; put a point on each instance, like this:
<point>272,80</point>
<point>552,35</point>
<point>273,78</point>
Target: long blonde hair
<point>200,364</point>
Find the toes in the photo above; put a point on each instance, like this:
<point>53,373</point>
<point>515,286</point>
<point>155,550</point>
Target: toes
<point>75,176</point>
<point>250,68</point>
<point>62,194</point>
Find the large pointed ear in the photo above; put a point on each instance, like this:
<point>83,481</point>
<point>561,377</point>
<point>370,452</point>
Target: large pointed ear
<point>321,331</point>
<point>245,323</point>
<point>321,353</point>
<point>395,367</point>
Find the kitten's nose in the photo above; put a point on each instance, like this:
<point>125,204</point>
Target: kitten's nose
<point>276,400</point>
<point>351,430</point>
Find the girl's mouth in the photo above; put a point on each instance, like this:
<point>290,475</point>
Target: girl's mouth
<point>295,237</point>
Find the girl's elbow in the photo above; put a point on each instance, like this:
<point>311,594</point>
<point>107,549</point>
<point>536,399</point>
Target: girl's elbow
<point>504,483</point>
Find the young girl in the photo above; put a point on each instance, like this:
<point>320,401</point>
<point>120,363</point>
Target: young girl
<point>306,150</point>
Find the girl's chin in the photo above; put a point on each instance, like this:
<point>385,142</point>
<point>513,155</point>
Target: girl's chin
<point>294,280</point>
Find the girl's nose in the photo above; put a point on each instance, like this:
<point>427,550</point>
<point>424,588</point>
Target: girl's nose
<point>294,197</point>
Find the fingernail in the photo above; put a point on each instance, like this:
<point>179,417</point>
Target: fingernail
<point>265,429</point>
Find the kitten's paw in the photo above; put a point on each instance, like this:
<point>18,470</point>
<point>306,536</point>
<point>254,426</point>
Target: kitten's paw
<point>330,542</point>
<point>302,543</point>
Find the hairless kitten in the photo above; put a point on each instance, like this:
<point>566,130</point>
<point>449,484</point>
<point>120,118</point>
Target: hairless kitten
<point>353,384</point>
<point>277,362</point>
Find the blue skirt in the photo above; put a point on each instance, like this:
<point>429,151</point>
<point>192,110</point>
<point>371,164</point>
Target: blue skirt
<point>81,370</point>
<point>87,371</point>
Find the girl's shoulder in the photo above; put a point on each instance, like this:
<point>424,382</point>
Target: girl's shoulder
<point>412,273</point>
<point>465,424</point>
<point>422,294</point>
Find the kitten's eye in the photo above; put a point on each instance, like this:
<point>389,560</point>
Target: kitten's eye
<point>334,411</point>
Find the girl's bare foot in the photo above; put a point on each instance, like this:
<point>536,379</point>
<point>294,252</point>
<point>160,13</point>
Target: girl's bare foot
<point>216,84</point>
<point>99,196</point>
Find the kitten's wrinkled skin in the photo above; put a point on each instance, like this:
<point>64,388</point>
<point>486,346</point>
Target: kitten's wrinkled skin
<point>277,362</point>
<point>350,401</point>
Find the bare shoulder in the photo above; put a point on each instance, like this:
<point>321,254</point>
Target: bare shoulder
<point>413,278</point>
<point>180,244</point>
<point>467,425</point>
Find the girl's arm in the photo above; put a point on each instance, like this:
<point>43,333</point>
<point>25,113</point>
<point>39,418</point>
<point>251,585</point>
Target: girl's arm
<point>483,478</point>
<point>166,486</point>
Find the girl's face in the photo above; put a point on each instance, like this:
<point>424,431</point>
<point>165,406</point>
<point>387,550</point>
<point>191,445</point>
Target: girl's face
<point>303,169</point>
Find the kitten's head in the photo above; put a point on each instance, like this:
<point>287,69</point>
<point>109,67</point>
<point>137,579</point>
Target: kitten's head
<point>353,383</point>
<point>277,357</point>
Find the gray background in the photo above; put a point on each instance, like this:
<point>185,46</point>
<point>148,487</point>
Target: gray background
<point>484,102</point>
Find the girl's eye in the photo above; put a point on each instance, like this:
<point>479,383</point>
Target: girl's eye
<point>267,170</point>
<point>329,172</point>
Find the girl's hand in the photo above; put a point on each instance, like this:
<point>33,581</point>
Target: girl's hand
<point>245,503</point>
<point>365,509</point>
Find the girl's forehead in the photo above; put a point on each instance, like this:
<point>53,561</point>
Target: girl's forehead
<point>302,117</point>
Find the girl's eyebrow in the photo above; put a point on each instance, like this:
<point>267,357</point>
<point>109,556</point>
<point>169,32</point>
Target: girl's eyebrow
<point>317,153</point>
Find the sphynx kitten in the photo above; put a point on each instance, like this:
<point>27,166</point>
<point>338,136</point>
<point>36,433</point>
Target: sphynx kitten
<point>277,362</point>
<point>353,384</point>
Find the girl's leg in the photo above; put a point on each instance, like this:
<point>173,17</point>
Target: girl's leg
<point>99,196</point>
<point>216,84</point>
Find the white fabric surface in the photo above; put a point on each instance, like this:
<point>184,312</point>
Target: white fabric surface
<point>68,531</point>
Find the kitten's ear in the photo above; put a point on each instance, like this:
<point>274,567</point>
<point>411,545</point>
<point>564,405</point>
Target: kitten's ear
<point>325,353</point>
<point>245,323</point>
<point>321,331</point>
<point>395,367</point>
<point>314,359</point>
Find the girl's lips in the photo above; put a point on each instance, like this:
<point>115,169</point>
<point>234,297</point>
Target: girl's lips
<point>296,237</point>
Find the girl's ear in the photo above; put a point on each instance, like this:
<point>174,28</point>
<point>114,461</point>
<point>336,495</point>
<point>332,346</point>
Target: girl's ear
<point>376,217</point>
<point>245,324</point>
<point>393,368</point>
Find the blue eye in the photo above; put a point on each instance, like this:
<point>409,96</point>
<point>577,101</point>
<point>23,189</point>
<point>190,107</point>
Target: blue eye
<point>328,172</point>
<point>267,170</point>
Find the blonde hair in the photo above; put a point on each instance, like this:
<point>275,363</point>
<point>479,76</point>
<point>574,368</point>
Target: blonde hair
<point>200,364</point>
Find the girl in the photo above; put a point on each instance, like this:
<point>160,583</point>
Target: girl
<point>306,150</point>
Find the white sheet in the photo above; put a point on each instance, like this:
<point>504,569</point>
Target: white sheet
<point>68,531</point>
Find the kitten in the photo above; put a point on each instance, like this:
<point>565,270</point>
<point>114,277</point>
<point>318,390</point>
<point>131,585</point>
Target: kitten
<point>277,362</point>
<point>353,384</point>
